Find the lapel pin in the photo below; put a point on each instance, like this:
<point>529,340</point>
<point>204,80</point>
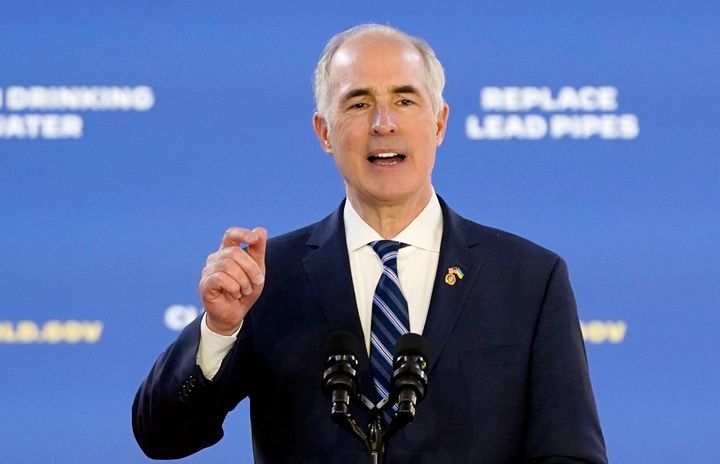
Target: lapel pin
<point>453,274</point>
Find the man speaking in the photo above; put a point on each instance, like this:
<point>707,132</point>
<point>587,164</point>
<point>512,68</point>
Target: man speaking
<point>508,374</point>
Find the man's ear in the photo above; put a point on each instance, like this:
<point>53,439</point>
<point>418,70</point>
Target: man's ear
<point>441,121</point>
<point>321,130</point>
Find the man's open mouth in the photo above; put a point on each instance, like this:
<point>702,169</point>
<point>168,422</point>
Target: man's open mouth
<point>386,158</point>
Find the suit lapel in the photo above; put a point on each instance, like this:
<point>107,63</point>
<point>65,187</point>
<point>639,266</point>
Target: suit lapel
<point>448,301</point>
<point>328,268</point>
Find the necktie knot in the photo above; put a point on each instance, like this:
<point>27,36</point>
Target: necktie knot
<point>387,250</point>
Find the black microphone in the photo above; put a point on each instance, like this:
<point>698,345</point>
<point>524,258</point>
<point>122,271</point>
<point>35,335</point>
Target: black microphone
<point>340,376</point>
<point>409,381</point>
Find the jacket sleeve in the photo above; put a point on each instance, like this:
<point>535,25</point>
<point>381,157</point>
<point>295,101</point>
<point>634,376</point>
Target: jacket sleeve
<point>563,424</point>
<point>177,411</point>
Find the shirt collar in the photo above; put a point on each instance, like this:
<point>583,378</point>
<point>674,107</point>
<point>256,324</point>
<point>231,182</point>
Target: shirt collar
<point>425,231</point>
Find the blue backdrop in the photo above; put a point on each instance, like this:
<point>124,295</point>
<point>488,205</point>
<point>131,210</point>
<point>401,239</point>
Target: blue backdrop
<point>132,134</point>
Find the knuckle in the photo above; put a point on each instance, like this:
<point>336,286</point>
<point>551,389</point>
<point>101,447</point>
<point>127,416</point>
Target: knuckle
<point>204,285</point>
<point>210,269</point>
<point>230,252</point>
<point>235,252</point>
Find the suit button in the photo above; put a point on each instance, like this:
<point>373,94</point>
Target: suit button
<point>186,388</point>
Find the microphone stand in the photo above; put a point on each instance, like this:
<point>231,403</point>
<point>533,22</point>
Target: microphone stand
<point>379,432</point>
<point>376,437</point>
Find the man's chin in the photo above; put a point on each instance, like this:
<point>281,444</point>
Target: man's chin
<point>390,197</point>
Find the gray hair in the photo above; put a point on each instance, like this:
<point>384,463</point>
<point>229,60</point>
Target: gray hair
<point>435,72</point>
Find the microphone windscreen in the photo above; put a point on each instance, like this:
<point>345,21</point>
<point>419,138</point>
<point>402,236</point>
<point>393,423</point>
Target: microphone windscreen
<point>412,344</point>
<point>342,342</point>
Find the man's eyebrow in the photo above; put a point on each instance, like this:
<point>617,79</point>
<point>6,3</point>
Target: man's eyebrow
<point>406,89</point>
<point>360,92</point>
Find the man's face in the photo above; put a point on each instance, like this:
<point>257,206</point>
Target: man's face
<point>380,128</point>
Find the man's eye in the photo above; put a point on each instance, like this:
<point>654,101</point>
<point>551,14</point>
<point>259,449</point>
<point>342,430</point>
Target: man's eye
<point>358,106</point>
<point>406,102</point>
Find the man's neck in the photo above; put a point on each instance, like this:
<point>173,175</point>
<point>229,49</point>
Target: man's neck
<point>387,219</point>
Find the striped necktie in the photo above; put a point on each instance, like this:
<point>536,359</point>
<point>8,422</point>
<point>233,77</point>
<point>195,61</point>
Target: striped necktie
<point>389,316</point>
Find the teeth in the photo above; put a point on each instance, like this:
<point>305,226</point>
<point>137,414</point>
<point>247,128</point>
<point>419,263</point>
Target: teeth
<point>386,155</point>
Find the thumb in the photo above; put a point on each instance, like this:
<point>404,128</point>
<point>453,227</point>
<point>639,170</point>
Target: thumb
<point>257,249</point>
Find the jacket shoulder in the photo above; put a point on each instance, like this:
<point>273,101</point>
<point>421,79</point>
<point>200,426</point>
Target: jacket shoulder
<point>506,242</point>
<point>495,243</point>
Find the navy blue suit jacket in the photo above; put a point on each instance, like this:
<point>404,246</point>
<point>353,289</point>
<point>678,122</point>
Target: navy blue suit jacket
<point>508,377</point>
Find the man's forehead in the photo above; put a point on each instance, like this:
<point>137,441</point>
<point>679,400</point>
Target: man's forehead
<point>374,47</point>
<point>376,63</point>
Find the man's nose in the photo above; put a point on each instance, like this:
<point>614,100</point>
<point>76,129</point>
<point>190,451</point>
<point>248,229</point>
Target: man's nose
<point>383,121</point>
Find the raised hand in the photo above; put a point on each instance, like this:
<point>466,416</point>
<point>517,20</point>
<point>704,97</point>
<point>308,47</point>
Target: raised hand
<point>233,278</point>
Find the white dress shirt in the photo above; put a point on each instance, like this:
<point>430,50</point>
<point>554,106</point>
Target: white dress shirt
<point>417,266</point>
<point>417,263</point>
